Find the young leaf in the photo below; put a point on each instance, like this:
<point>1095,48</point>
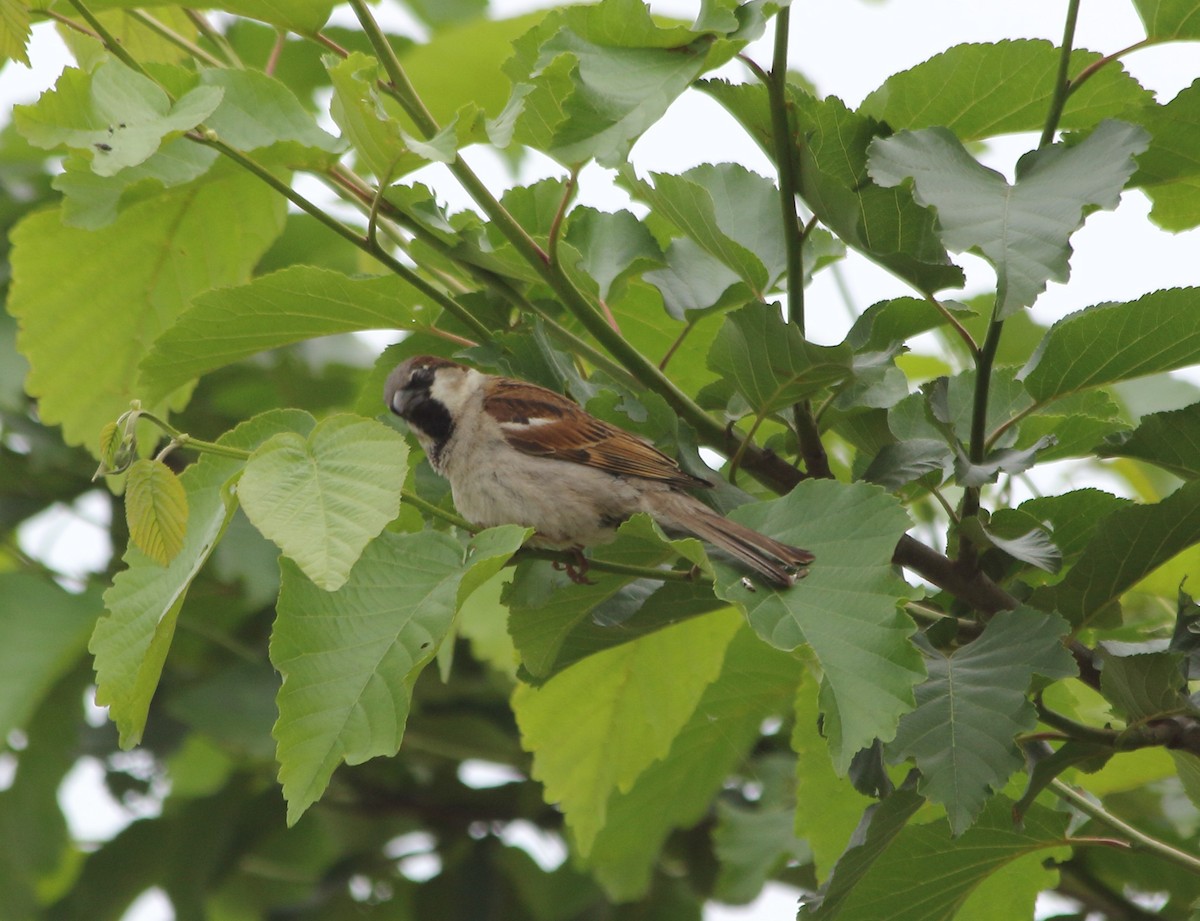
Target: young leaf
<point>96,319</point>
<point>14,31</point>
<point>1099,345</point>
<point>594,728</point>
<point>845,609</point>
<point>157,510</point>
<point>676,792</point>
<point>973,705</point>
<point>324,498</point>
<point>130,643</point>
<point>294,304</point>
<point>613,245</point>
<point>349,657</point>
<point>770,362</point>
<point>1021,229</point>
<point>950,90</point>
<point>114,113</point>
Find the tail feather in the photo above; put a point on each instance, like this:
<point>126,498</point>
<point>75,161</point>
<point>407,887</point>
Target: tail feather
<point>779,563</point>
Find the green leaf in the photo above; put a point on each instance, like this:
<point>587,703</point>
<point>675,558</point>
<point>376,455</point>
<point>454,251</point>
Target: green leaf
<point>302,16</point>
<point>96,319</point>
<point>1143,686</point>
<point>1170,440</point>
<point>903,462</point>
<point>1166,20</point>
<point>1073,518</point>
<point>614,246</point>
<point>349,657</point>
<point>257,111</point>
<point>1021,229</point>
<point>113,113</point>
<point>586,85</point>
<point>131,643</point>
<point>979,91</point>
<point>692,280</point>
<point>720,207</point>
<point>323,498</point>
<point>770,362</point>
<point>1088,756</point>
<point>754,841</point>
<point>156,508</point>
<point>845,609</point>
<point>1079,422</point>
<point>1169,172</point>
<point>1126,546</point>
<point>886,225</point>
<point>896,884</point>
<point>881,822</point>
<point>294,304</point>
<point>1098,345</point>
<point>594,728</point>
<point>91,201</point>
<point>887,324</point>
<point>14,31</point>
<point>973,705</point>
<point>359,109</point>
<point>676,792</point>
<point>827,808</point>
<point>36,651</point>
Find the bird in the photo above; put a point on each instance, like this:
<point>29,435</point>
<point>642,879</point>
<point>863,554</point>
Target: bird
<point>518,453</point>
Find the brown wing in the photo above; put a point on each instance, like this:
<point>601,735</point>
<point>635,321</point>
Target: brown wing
<point>541,422</point>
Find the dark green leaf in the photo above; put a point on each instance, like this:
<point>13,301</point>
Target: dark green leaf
<point>980,91</point>
<point>973,705</point>
<point>1169,171</point>
<point>903,462</point>
<point>1088,756</point>
<point>1170,440</point>
<point>845,609</point>
<point>1115,342</point>
<point>894,885</point>
<point>1126,546</point>
<point>1021,229</point>
<point>770,362</point>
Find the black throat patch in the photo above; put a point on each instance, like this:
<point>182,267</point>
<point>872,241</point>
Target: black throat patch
<point>432,419</point>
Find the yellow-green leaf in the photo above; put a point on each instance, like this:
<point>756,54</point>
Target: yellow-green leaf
<point>156,509</point>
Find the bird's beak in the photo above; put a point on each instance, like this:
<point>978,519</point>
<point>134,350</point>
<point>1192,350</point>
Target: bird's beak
<point>402,402</point>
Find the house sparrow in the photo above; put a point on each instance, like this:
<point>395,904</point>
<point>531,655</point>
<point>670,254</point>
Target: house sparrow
<point>517,453</point>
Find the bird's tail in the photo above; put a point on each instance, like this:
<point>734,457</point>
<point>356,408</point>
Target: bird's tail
<point>779,563</point>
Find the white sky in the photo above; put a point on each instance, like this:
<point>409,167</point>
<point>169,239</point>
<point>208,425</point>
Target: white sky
<point>847,48</point>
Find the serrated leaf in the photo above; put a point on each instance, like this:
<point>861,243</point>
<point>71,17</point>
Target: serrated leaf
<point>886,225</point>
<point>584,88</point>
<point>157,510</point>
<point>117,115</point>
<point>1011,461</point>
<point>895,883</point>
<point>720,207</point>
<point>961,734</point>
<point>677,791</point>
<point>845,609</point>
<point>1114,342</point>
<point>257,111</point>
<point>1126,546</point>
<point>14,31</point>
<point>903,462</point>
<point>887,324</point>
<point>131,642</point>
<point>1166,20</point>
<point>323,498</point>
<point>294,304</point>
<point>359,110</point>
<point>982,90</point>
<point>1021,229</point>
<point>613,245</point>
<point>1169,171</point>
<point>1170,440</point>
<point>594,728</point>
<point>101,320</point>
<point>1143,686</point>
<point>770,362</point>
<point>349,657</point>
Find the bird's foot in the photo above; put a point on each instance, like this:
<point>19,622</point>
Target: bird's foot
<point>576,569</point>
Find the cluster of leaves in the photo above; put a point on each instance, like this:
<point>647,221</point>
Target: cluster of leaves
<point>690,735</point>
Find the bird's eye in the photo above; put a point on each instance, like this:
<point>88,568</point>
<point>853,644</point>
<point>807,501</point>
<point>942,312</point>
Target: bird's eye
<point>421,378</point>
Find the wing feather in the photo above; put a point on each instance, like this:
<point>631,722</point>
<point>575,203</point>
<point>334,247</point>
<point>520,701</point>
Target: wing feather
<point>540,422</point>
